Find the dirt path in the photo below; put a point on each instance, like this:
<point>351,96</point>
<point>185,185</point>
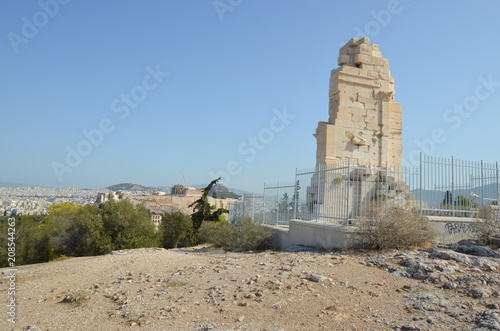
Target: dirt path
<point>199,289</point>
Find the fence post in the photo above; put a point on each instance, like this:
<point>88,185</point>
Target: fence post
<point>482,183</point>
<point>421,181</point>
<point>348,190</point>
<point>277,203</point>
<point>453,186</point>
<point>318,175</point>
<point>498,186</point>
<point>295,196</point>
<point>264,213</point>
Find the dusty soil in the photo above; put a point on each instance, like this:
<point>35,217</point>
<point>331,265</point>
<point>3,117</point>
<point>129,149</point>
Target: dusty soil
<point>208,289</point>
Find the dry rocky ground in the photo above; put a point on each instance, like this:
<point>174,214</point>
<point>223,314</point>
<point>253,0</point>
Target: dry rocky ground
<point>441,288</point>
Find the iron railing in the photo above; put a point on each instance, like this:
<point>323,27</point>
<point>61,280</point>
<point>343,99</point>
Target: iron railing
<point>341,193</point>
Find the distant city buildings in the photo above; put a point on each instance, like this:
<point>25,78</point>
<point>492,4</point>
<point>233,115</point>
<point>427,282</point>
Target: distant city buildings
<point>103,197</point>
<point>19,201</point>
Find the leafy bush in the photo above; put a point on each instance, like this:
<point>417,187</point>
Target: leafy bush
<point>32,241</point>
<point>246,235</point>
<point>128,226</point>
<point>488,225</point>
<point>86,235</point>
<point>176,228</point>
<point>73,230</point>
<point>55,227</point>
<point>220,234</point>
<point>252,236</point>
<point>396,228</point>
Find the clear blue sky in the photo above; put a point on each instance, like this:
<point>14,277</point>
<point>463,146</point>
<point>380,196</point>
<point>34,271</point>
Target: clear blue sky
<point>223,70</point>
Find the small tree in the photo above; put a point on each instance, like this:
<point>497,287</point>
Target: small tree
<point>447,200</point>
<point>32,242</point>
<point>283,205</point>
<point>55,227</point>
<point>86,235</point>
<point>203,211</point>
<point>176,228</point>
<point>462,202</point>
<point>128,226</point>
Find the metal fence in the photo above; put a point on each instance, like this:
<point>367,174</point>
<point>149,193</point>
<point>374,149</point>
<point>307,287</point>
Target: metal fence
<point>453,187</point>
<point>278,201</point>
<point>249,206</point>
<point>342,193</point>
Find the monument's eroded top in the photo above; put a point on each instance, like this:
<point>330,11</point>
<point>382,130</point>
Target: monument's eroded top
<point>365,122</point>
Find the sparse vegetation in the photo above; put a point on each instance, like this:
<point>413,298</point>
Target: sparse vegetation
<point>253,236</point>
<point>220,234</point>
<point>245,235</point>
<point>396,228</point>
<point>489,225</point>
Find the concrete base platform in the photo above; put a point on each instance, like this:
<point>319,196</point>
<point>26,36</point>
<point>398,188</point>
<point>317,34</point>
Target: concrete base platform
<point>331,236</point>
<point>312,234</point>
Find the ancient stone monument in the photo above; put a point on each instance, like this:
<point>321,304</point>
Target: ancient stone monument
<point>365,121</point>
<point>363,132</point>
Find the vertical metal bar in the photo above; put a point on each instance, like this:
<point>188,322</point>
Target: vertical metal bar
<point>277,202</point>
<point>295,196</point>
<point>241,207</point>
<point>498,186</point>
<point>264,214</point>
<point>482,183</point>
<point>318,174</point>
<point>452,186</point>
<point>421,180</point>
<point>348,190</point>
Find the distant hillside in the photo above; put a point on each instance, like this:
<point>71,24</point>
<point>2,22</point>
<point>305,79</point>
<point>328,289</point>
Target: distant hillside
<point>222,192</point>
<point>435,197</point>
<point>129,187</point>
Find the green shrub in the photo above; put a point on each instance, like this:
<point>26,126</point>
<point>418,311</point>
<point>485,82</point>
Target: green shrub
<point>220,234</point>
<point>128,226</point>
<point>73,230</point>
<point>32,242</point>
<point>176,228</point>
<point>253,236</point>
<point>246,235</point>
<point>396,228</point>
<point>86,235</point>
